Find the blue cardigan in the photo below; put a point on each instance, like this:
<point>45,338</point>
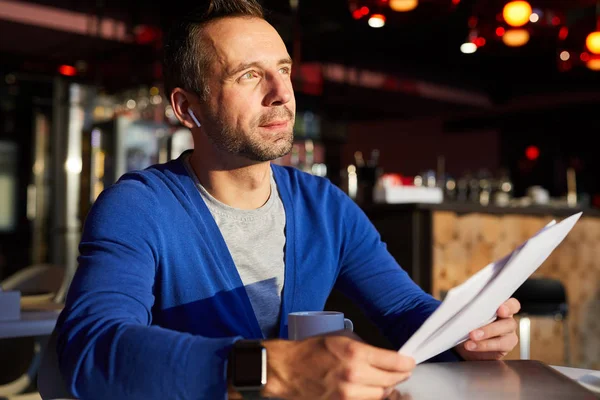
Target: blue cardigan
<point>156,302</point>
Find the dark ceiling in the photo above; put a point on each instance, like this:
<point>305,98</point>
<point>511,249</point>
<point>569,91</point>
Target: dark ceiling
<point>423,44</point>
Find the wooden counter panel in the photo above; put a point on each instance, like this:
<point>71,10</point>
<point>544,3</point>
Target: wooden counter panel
<point>465,243</point>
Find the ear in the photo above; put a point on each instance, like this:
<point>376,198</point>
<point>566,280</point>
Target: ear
<point>180,101</point>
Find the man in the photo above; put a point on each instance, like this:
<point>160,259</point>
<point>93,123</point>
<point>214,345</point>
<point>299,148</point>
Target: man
<point>182,261</point>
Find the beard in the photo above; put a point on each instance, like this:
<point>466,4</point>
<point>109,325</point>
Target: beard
<point>250,144</point>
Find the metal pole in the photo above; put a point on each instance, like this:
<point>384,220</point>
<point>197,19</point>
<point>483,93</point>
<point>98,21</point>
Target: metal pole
<point>68,126</point>
<point>524,337</point>
<point>58,150</point>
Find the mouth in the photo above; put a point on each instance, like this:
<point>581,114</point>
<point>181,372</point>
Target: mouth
<point>276,124</point>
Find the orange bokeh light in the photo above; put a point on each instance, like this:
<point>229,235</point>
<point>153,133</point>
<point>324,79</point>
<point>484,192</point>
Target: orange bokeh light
<point>515,37</point>
<point>592,42</point>
<point>403,5</point>
<point>517,13</point>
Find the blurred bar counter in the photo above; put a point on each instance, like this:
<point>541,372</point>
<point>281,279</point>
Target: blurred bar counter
<point>441,245</point>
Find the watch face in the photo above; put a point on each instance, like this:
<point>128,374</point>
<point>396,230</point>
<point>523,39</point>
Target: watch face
<point>250,367</point>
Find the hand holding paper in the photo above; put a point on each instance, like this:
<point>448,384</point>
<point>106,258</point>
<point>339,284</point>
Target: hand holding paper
<point>495,340</point>
<point>474,303</point>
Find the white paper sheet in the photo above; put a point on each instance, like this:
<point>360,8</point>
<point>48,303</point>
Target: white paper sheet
<point>474,303</point>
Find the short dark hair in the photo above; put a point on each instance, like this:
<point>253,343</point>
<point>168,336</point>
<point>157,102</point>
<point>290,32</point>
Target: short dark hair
<point>185,57</point>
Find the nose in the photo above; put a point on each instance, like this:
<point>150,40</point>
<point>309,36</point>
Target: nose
<point>279,91</point>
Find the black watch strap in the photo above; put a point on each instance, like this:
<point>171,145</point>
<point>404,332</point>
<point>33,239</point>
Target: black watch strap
<point>252,395</point>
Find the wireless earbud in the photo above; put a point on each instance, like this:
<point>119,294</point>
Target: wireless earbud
<point>191,112</point>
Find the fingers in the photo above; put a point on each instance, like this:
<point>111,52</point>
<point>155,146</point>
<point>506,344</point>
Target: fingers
<point>357,352</point>
<point>389,360</point>
<point>497,328</point>
<point>365,374</point>
<point>364,371</point>
<point>509,308</point>
<point>356,392</point>
<point>504,343</point>
<point>493,341</point>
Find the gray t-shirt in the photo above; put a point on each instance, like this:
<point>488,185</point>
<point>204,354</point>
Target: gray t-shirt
<point>256,241</point>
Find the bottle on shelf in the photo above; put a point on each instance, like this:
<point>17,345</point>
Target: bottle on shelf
<point>309,155</point>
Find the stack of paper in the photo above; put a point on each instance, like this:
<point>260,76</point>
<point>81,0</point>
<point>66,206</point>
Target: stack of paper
<point>474,303</point>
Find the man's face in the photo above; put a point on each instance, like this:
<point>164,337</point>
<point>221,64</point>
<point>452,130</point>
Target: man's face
<point>251,108</point>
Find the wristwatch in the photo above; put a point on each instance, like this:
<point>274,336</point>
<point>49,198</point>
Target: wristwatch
<point>248,368</point>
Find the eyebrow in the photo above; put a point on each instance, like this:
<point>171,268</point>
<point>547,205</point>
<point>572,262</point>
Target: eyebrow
<point>241,67</point>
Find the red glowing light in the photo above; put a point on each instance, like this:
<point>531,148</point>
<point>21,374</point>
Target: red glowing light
<point>565,66</point>
<point>472,22</point>
<point>356,14</point>
<point>532,153</point>
<point>563,33</point>
<point>456,2</point>
<point>145,34</point>
<point>379,17</point>
<point>500,31</point>
<point>555,20</point>
<point>585,57</point>
<point>364,10</point>
<point>479,42</point>
<point>67,70</point>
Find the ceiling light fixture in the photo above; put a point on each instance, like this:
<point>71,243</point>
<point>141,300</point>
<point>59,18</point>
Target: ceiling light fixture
<point>592,42</point>
<point>534,18</point>
<point>593,64</point>
<point>517,13</point>
<point>515,37</point>
<point>468,48</point>
<point>403,5</point>
<point>376,21</point>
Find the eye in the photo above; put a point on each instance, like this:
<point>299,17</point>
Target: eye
<point>284,70</point>
<point>248,75</point>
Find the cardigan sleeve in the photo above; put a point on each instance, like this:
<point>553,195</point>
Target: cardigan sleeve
<point>373,278</point>
<point>107,347</point>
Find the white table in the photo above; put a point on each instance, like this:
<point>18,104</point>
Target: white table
<point>588,378</point>
<point>32,323</point>
<point>495,380</point>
